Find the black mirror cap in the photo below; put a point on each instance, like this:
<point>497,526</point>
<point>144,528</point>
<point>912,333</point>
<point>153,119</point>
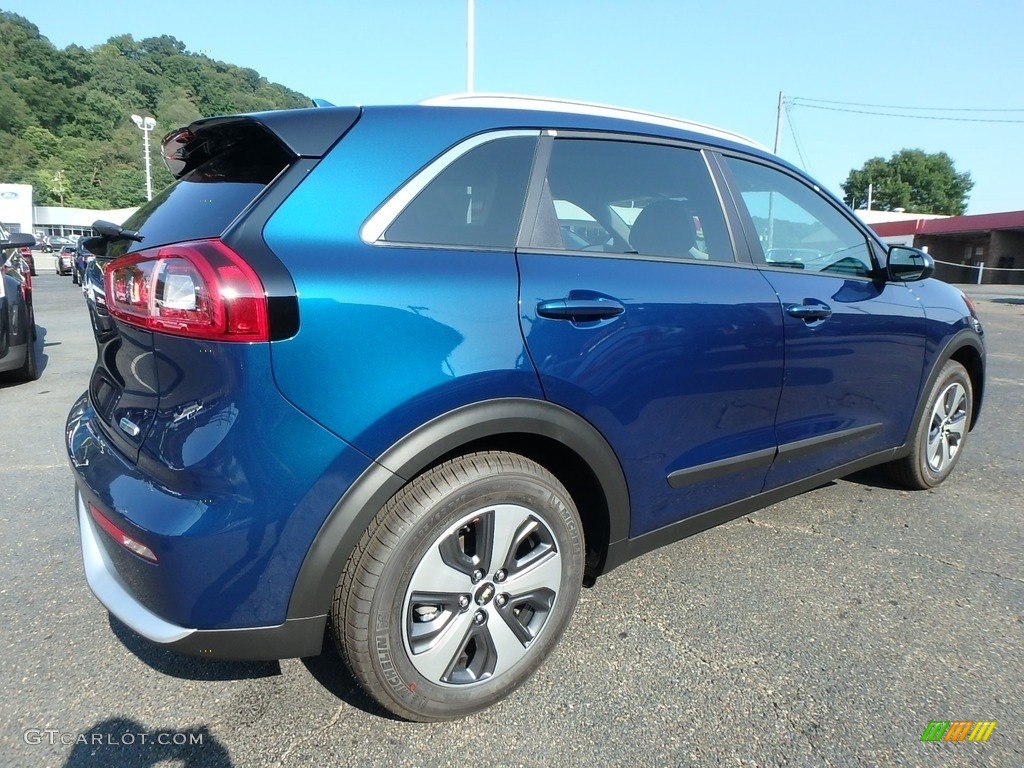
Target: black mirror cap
<point>18,240</point>
<point>906,264</point>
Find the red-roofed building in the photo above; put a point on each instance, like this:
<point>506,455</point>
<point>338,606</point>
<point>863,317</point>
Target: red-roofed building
<point>964,247</point>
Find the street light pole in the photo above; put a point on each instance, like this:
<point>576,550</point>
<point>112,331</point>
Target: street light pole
<point>470,44</point>
<point>146,124</point>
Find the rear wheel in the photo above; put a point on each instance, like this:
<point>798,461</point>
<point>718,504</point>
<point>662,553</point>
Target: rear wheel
<point>460,587</point>
<point>940,434</point>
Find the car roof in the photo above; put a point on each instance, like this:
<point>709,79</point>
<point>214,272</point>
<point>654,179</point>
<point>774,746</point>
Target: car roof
<point>588,109</point>
<point>312,131</point>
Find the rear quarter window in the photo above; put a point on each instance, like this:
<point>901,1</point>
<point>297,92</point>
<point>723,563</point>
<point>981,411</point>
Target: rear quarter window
<point>476,201</point>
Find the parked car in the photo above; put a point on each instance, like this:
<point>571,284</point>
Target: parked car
<point>16,260</point>
<point>17,319</point>
<point>80,261</point>
<point>26,254</point>
<point>427,427</point>
<point>64,260</point>
<point>58,241</point>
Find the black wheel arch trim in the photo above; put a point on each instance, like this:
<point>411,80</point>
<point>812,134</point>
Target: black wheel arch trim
<point>966,338</point>
<point>325,560</point>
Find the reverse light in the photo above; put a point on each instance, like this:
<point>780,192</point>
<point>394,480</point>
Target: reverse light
<point>200,289</point>
<point>120,536</point>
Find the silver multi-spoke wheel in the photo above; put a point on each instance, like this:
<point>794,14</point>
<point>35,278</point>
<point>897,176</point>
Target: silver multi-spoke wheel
<point>947,427</point>
<point>461,586</point>
<point>481,595</point>
<point>939,434</point>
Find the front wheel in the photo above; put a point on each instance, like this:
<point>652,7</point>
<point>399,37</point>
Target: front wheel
<point>939,436</point>
<point>460,587</point>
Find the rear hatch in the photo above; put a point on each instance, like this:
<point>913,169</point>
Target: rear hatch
<point>232,172</point>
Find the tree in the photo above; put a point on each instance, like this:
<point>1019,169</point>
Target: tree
<point>911,179</point>
<point>65,113</point>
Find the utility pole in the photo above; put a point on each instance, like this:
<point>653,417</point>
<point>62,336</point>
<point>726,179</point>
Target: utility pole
<point>770,235</point>
<point>778,122</point>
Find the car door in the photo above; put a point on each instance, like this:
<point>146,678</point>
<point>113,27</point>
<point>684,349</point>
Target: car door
<point>854,342</point>
<point>638,316</point>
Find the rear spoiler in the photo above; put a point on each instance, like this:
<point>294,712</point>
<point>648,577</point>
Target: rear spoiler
<point>301,132</point>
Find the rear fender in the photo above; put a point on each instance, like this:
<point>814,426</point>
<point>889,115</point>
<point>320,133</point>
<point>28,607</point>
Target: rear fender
<point>441,437</point>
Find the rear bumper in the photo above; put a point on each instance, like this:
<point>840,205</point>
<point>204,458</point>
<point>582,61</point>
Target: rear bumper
<point>228,552</point>
<point>293,638</point>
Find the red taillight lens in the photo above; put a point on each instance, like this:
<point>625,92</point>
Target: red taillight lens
<point>120,536</point>
<point>201,289</point>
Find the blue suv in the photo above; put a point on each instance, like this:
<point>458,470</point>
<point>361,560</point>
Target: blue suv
<point>417,374</point>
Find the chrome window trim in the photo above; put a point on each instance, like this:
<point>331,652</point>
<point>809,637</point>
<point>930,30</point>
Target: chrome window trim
<point>373,229</point>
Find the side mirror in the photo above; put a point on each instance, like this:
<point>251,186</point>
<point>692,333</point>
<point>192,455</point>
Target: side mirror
<point>18,240</point>
<point>906,264</point>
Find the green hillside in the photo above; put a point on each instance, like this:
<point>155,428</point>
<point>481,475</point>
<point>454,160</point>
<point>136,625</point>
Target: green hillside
<point>65,114</point>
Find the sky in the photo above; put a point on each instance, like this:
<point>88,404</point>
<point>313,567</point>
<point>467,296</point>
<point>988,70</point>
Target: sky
<point>717,62</point>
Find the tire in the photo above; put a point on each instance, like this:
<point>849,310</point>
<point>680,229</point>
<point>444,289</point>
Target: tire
<point>29,370</point>
<point>460,587</point>
<point>940,434</point>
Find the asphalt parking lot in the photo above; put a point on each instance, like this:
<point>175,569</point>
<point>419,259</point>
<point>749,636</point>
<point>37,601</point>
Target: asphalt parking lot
<point>826,630</point>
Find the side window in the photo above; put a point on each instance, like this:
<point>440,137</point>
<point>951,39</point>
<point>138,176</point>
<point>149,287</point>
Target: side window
<point>475,201</point>
<point>630,197</point>
<point>796,226</point>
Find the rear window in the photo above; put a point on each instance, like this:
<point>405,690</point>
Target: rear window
<point>203,202</point>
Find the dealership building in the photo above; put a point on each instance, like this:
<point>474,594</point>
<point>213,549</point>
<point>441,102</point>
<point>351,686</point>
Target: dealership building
<point>18,214</point>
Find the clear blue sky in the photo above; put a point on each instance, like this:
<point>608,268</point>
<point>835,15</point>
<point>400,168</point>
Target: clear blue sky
<point>722,63</point>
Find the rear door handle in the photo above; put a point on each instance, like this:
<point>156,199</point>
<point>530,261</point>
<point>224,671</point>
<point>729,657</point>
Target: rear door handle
<point>579,309</point>
<point>809,312</point>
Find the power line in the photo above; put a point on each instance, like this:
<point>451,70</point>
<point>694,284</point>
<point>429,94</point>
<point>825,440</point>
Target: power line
<point>796,139</point>
<point>910,117</point>
<point>802,99</point>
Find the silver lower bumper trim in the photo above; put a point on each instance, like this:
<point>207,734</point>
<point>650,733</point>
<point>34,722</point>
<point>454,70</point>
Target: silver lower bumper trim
<point>110,590</point>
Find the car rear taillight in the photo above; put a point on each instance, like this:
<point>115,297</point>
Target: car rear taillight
<point>122,538</point>
<point>200,289</point>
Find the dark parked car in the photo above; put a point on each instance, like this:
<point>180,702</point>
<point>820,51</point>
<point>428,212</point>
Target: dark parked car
<point>17,320</point>
<point>427,427</point>
<point>58,241</point>
<point>80,262</point>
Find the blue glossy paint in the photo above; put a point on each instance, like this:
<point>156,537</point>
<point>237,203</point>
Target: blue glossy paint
<point>243,450</point>
<point>231,486</point>
<point>859,367</point>
<point>690,373</point>
<point>392,335</point>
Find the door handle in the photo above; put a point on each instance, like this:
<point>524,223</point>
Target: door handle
<point>809,312</point>
<point>579,309</point>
